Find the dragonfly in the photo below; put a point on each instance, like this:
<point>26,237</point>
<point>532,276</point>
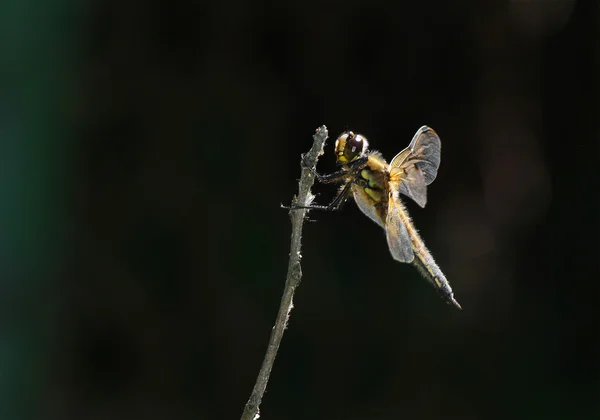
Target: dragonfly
<point>376,187</point>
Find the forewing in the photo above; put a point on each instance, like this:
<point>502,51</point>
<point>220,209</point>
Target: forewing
<point>366,205</point>
<point>397,236</point>
<point>416,166</point>
<point>425,153</point>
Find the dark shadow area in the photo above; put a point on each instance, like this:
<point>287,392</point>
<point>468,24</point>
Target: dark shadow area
<point>165,255</point>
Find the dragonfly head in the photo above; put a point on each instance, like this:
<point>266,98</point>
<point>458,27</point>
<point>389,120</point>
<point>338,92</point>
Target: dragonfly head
<point>350,146</point>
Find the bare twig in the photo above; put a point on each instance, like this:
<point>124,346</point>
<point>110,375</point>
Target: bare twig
<point>294,274</point>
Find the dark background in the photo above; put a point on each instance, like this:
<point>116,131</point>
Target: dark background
<point>147,147</point>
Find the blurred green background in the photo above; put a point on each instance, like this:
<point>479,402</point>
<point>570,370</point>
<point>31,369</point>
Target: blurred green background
<point>147,146</point>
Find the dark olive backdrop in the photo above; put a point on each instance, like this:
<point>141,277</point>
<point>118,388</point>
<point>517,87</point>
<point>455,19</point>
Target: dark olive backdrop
<point>149,145</point>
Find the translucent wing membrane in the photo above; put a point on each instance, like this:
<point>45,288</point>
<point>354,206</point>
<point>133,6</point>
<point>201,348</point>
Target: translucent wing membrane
<point>426,149</point>
<point>415,167</point>
<point>366,205</point>
<point>397,236</point>
<point>413,185</point>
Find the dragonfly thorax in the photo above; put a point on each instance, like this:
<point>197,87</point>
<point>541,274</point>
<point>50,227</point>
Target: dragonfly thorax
<point>374,180</point>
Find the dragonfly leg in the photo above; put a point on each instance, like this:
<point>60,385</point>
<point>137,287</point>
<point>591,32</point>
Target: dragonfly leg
<point>335,205</point>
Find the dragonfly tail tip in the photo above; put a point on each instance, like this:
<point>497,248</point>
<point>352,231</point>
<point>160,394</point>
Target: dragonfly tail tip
<point>456,303</point>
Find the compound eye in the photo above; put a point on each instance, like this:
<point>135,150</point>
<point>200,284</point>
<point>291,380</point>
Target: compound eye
<point>356,143</point>
<point>354,146</point>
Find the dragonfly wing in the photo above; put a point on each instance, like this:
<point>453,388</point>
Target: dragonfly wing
<point>416,166</point>
<point>367,205</point>
<point>414,186</point>
<point>426,151</point>
<point>397,236</point>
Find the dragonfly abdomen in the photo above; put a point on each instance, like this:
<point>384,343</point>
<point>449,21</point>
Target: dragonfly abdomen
<point>429,268</point>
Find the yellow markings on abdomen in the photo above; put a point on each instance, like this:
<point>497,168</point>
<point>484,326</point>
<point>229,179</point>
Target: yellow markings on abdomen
<point>420,250</point>
<point>374,179</point>
<point>374,194</point>
<point>374,182</point>
<point>425,262</point>
<point>423,254</point>
<point>370,177</point>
